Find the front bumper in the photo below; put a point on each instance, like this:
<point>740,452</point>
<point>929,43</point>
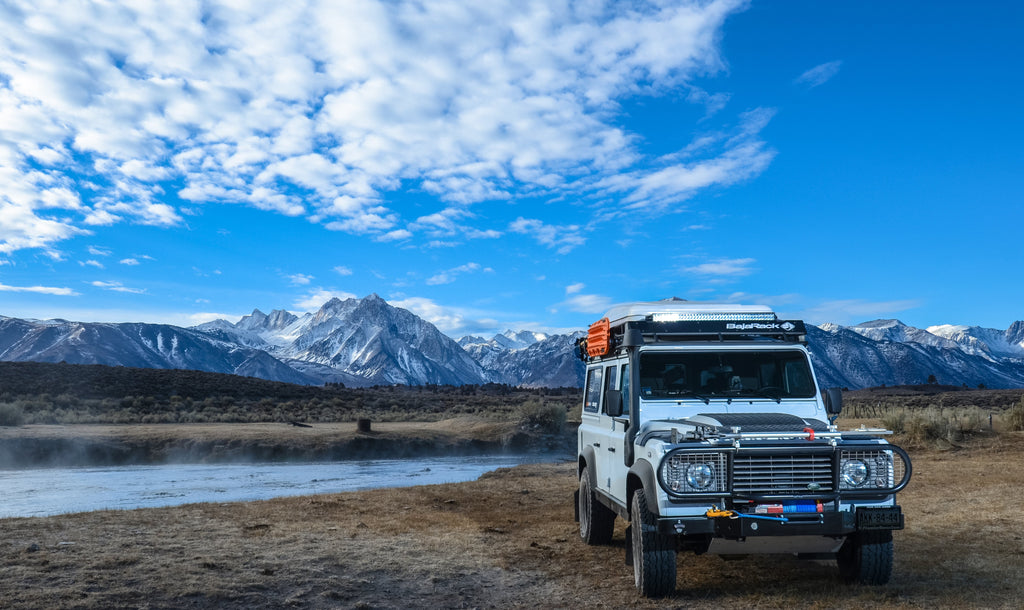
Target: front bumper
<point>841,523</point>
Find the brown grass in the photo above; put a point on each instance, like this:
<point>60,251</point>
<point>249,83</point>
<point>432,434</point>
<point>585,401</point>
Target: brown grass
<point>462,427</point>
<point>506,540</point>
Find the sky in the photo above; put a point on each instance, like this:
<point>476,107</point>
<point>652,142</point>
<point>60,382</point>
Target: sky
<point>511,164</point>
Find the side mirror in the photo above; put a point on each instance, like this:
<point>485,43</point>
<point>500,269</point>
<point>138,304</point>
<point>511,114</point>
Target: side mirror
<point>834,401</point>
<point>613,403</point>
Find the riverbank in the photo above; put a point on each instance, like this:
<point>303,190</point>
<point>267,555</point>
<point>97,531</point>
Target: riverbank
<point>505,540</point>
<point>122,444</point>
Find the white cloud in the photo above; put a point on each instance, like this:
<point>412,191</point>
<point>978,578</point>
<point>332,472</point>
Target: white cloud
<point>341,270</point>
<point>117,287</point>
<point>91,263</point>
<point>453,321</point>
<point>734,267</point>
<point>328,109</point>
<point>64,292</point>
<point>300,279</point>
<point>819,75</point>
<point>396,235</point>
<point>451,222</point>
<point>449,276</point>
<point>315,300</point>
<point>21,227</point>
<point>727,158</point>
<point>563,238</point>
<point>131,262</point>
<point>583,303</point>
<point>853,311</point>
<point>588,303</point>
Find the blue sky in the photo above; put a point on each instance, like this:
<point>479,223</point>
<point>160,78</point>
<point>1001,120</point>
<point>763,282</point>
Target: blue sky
<point>512,164</point>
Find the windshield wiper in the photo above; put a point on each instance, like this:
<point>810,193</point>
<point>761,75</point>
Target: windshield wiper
<point>769,392</point>
<point>688,393</point>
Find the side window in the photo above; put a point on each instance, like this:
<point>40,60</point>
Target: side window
<point>592,398</point>
<point>609,382</point>
<point>625,390</point>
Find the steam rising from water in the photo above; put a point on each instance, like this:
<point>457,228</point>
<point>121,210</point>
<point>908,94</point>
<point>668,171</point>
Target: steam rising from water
<point>53,491</point>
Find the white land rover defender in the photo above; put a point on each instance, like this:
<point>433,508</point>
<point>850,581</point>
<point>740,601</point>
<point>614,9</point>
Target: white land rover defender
<point>703,427</point>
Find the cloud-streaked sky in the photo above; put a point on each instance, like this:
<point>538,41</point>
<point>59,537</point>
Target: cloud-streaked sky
<point>510,164</point>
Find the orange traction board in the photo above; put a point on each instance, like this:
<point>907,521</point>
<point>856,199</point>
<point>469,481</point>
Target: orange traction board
<point>599,338</point>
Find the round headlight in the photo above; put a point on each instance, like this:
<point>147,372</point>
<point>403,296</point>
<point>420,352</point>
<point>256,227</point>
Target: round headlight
<point>854,473</point>
<point>700,476</point>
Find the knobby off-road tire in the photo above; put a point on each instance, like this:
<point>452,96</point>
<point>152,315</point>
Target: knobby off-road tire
<point>654,555</point>
<point>597,521</point>
<point>866,558</point>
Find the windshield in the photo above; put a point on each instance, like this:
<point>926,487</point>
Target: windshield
<point>774,374</point>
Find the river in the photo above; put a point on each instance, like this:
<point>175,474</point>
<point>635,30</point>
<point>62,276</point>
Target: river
<point>53,491</point>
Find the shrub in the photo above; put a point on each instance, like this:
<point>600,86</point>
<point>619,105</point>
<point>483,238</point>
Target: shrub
<point>1015,417</point>
<point>548,417</point>
<point>935,424</point>
<point>896,421</point>
<point>11,415</point>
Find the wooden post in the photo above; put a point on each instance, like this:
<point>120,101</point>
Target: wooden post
<point>363,424</point>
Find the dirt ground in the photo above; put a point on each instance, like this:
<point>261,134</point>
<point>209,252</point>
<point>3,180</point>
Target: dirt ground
<point>506,540</point>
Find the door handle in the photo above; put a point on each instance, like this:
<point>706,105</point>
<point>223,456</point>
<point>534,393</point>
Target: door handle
<point>597,444</point>
<point>612,449</point>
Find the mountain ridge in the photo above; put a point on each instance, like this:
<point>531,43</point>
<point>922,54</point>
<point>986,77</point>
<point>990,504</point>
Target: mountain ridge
<point>362,342</point>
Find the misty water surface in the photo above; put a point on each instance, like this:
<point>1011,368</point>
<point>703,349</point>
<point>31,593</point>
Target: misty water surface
<point>53,491</point>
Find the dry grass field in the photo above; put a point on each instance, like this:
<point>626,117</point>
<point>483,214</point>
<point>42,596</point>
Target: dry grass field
<point>506,540</point>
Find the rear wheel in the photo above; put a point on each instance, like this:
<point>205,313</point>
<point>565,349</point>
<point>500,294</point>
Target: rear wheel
<point>654,555</point>
<point>597,521</point>
<point>866,558</point>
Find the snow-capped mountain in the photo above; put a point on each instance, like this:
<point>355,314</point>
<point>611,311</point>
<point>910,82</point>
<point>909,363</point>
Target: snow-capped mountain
<point>550,363</point>
<point>356,341</point>
<point>137,345</point>
<point>362,342</point>
<point>987,342</point>
<point>490,352</point>
<point>895,332</point>
<point>892,353</point>
<point>528,358</point>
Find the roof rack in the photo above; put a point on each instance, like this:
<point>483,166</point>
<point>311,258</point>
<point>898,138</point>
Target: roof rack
<point>679,322</point>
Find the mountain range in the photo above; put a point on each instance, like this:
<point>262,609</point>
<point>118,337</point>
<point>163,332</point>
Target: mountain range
<point>363,342</point>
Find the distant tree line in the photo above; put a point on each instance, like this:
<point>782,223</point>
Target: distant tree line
<point>44,393</point>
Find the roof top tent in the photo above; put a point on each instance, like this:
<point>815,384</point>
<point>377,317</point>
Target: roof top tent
<point>645,323</point>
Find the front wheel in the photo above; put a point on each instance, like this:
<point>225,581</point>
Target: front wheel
<point>654,555</point>
<point>866,558</point>
<point>597,521</point>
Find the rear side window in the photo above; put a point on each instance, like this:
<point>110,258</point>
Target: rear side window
<point>592,398</point>
<point>609,382</point>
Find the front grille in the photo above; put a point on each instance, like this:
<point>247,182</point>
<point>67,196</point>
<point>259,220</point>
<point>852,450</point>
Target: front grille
<point>782,474</point>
